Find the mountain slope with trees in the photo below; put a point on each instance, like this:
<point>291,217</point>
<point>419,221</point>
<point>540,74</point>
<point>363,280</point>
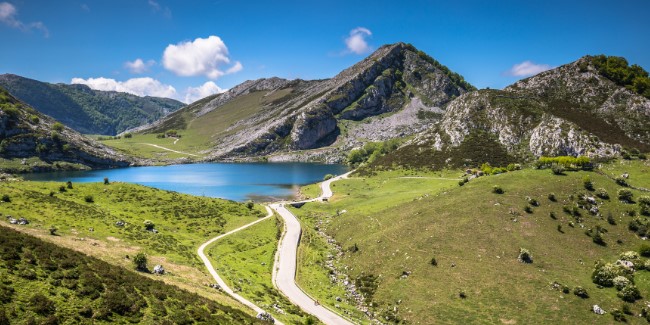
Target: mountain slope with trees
<point>86,110</point>
<point>32,141</point>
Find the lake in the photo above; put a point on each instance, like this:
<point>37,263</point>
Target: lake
<point>233,181</point>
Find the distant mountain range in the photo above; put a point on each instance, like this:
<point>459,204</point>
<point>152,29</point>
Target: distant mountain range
<point>594,106</point>
<point>86,110</point>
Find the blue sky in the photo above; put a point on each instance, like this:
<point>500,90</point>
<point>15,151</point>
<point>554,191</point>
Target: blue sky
<point>183,45</point>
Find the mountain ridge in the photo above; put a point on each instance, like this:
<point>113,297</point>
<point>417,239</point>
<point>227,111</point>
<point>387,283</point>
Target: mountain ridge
<point>87,110</point>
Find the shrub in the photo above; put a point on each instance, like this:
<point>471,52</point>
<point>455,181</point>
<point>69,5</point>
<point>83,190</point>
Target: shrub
<point>328,176</point>
<point>620,282</point>
<point>53,230</point>
<point>106,182</point>
<point>587,183</point>
<point>642,156</point>
<point>434,262</point>
<point>6,198</point>
<point>625,195</point>
<point>604,274</point>
<point>57,127</point>
<point>618,315</point>
<point>128,135</point>
<point>581,292</point>
<point>598,239</point>
<point>602,193</point>
<point>644,250</point>
<point>140,262</point>
<point>497,189</point>
<point>644,200</point>
<point>557,169</point>
<point>62,188</point>
<point>149,225</point>
<point>552,215</point>
<point>610,219</point>
<point>551,197</point>
<point>621,181</point>
<point>250,205</point>
<point>528,209</point>
<point>525,256</point>
<point>34,119</point>
<point>42,305</point>
<point>69,184</point>
<point>631,256</point>
<point>629,293</point>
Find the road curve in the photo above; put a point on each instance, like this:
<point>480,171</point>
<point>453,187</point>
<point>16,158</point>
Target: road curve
<point>284,275</point>
<point>216,276</point>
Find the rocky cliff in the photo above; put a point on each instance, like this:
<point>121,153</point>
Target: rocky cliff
<point>571,110</point>
<point>396,91</point>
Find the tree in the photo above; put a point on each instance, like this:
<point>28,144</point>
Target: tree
<point>106,182</point>
<point>140,262</point>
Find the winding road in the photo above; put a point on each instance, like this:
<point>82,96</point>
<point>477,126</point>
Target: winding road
<point>284,268</point>
<point>216,276</point>
<point>284,275</point>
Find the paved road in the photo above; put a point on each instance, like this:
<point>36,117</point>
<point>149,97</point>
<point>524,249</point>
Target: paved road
<point>284,275</point>
<point>216,276</point>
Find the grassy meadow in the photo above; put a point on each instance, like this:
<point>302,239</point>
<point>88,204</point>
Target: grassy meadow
<point>393,228</point>
<point>86,217</point>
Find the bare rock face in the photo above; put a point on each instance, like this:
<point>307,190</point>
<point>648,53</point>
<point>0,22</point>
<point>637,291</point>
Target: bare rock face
<point>397,90</point>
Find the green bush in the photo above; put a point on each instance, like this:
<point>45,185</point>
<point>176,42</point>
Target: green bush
<point>149,225</point>
<point>581,292</point>
<point>140,262</point>
<point>551,197</point>
<point>57,127</point>
<point>587,183</point>
<point>6,198</point>
<point>34,119</point>
<point>602,193</point>
<point>625,195</point>
<point>525,256</point>
<point>604,274</point>
<point>528,209</point>
<point>621,181</point>
<point>89,199</point>
<point>434,262</point>
<point>106,182</point>
<point>497,189</point>
<point>618,315</point>
<point>629,293</point>
<point>618,70</point>
<point>557,169</point>
<point>620,282</point>
<point>328,176</point>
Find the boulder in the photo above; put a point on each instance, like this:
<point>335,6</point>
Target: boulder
<point>159,269</point>
<point>266,317</point>
<point>597,310</point>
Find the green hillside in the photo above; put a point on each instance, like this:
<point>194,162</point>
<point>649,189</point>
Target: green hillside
<point>109,221</point>
<point>422,249</point>
<point>43,283</point>
<point>88,111</point>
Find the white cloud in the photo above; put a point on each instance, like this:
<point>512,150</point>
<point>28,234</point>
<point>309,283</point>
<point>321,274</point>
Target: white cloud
<point>203,56</point>
<point>193,94</point>
<point>156,7</point>
<point>139,66</point>
<point>527,68</point>
<point>136,86</point>
<point>8,15</point>
<point>356,42</point>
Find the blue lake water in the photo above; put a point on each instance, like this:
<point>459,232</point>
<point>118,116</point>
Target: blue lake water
<point>233,181</point>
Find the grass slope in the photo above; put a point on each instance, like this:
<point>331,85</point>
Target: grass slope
<point>394,227</point>
<point>42,283</point>
<point>199,133</point>
<point>183,222</point>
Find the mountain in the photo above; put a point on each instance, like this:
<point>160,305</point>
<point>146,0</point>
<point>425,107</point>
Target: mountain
<point>575,109</point>
<point>86,110</point>
<point>395,92</point>
<point>37,138</point>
